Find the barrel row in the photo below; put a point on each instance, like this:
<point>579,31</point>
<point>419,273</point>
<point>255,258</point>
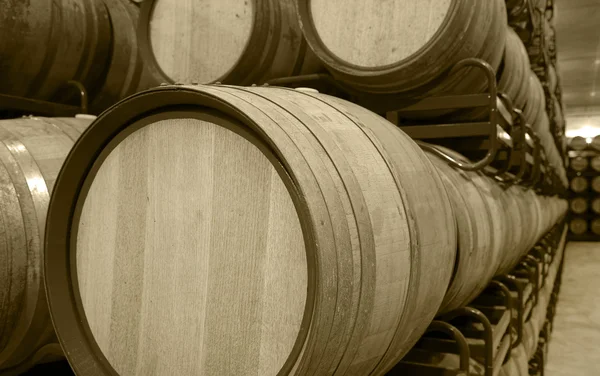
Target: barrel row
<point>581,205</point>
<point>582,164</point>
<point>580,184</point>
<point>279,207</point>
<point>580,226</point>
<point>90,41</point>
<point>32,151</point>
<point>303,206</point>
<point>525,89</point>
<point>580,143</point>
<point>486,212</point>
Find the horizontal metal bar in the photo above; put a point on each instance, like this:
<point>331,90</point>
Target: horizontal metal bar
<point>409,368</point>
<point>36,107</point>
<point>445,102</point>
<point>447,130</point>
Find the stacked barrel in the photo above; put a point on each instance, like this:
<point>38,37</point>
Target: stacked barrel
<point>32,151</point>
<point>383,53</point>
<point>206,228</point>
<point>90,41</point>
<point>584,174</point>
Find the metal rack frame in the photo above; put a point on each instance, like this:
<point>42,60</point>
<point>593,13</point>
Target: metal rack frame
<point>11,103</point>
<point>493,325</point>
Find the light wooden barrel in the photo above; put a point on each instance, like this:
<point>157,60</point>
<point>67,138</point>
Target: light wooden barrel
<point>32,151</point>
<point>46,43</point>
<point>596,184</point>
<point>392,46</point>
<point>514,73</point>
<point>535,105</point>
<point>238,42</point>
<point>596,205</point>
<point>579,184</point>
<point>595,226</point>
<point>579,205</point>
<point>578,226</point>
<point>579,163</point>
<point>479,232</point>
<point>595,163</point>
<point>577,143</point>
<point>244,231</point>
<point>596,142</point>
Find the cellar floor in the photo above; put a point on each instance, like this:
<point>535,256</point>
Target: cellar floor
<point>575,343</point>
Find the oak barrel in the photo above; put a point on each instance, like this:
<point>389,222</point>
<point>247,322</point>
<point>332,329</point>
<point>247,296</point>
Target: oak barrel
<point>46,43</point>
<point>596,184</point>
<point>579,205</point>
<point>514,72</point>
<point>32,151</point>
<point>125,66</point>
<point>578,226</point>
<point>579,184</point>
<point>579,163</point>
<point>577,143</point>
<point>392,47</point>
<point>595,226</point>
<point>596,205</point>
<point>480,231</point>
<point>245,231</point>
<point>238,42</point>
<point>596,142</point>
<point>595,163</point>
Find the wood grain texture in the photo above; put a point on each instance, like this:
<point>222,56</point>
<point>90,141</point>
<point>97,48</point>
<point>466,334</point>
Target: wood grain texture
<point>32,151</point>
<point>200,270</point>
<point>367,33</point>
<point>411,43</point>
<point>365,192</point>
<point>234,41</point>
<point>200,41</point>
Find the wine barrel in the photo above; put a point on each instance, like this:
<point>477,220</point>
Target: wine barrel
<point>577,143</point>
<point>595,226</point>
<point>392,47</point>
<point>31,151</point>
<point>596,142</point>
<point>238,42</point>
<point>595,163</point>
<point>47,43</point>
<point>579,164</point>
<point>298,234</point>
<point>125,65</point>
<point>480,237</point>
<point>514,72</point>
<point>596,184</point>
<point>596,205</point>
<point>579,184</point>
<point>535,106</point>
<point>578,226</point>
<point>579,205</point>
